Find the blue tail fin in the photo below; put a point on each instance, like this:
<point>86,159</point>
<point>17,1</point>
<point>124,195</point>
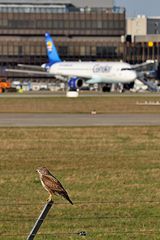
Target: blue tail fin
<point>51,50</point>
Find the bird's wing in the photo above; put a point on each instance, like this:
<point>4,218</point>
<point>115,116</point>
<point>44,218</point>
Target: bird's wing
<point>52,183</point>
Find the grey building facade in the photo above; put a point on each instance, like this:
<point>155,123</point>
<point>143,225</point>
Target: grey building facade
<point>153,25</point>
<point>76,3</point>
<point>88,3</point>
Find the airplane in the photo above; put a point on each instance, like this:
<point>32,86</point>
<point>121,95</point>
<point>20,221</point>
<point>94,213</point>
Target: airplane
<point>77,72</point>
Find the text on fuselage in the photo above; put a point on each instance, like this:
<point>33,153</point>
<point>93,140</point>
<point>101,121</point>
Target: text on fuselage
<point>97,68</point>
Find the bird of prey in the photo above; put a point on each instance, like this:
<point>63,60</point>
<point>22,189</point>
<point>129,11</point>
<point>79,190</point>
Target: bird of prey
<point>51,184</point>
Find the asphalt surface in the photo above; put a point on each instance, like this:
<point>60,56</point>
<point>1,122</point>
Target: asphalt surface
<point>60,120</point>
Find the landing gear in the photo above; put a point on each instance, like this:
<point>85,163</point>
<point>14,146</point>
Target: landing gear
<point>106,88</point>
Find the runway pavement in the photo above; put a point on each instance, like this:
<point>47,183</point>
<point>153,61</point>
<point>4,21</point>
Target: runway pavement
<point>60,120</point>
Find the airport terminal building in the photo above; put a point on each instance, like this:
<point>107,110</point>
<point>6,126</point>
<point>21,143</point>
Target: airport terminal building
<point>86,30</point>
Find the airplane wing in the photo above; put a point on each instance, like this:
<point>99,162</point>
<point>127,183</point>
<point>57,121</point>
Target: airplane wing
<point>29,72</point>
<point>33,67</point>
<point>42,72</point>
<point>61,78</point>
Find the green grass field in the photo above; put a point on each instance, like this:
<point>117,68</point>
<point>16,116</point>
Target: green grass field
<point>112,174</point>
<point>107,104</point>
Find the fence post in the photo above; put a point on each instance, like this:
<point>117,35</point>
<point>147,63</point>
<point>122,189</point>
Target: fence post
<point>40,220</point>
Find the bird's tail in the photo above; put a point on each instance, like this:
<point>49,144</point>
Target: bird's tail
<point>65,195</point>
<point>69,200</point>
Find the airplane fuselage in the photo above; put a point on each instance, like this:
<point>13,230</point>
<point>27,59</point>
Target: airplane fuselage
<point>96,72</point>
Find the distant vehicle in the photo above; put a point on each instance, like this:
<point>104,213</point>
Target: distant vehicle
<point>4,85</point>
<point>139,86</point>
<point>76,73</point>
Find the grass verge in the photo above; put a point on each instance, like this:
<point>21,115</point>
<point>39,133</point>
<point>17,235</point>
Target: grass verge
<point>112,174</point>
<point>109,104</point>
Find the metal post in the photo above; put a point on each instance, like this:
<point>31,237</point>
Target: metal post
<point>40,220</point>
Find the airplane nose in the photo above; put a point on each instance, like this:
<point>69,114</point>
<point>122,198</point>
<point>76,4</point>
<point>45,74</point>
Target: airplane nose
<point>133,75</point>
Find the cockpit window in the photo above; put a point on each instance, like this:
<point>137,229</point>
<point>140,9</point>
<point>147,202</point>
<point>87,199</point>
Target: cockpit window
<point>126,69</point>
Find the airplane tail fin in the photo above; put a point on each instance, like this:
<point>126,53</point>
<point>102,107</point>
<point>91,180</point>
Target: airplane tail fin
<point>51,50</point>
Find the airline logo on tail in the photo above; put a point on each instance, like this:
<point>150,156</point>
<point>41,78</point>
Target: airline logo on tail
<point>49,46</point>
<point>52,53</point>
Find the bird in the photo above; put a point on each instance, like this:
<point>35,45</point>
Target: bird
<point>51,184</point>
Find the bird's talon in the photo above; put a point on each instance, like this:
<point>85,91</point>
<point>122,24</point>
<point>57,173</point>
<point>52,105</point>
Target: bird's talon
<point>49,199</point>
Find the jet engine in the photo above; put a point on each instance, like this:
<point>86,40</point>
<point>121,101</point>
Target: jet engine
<point>75,83</point>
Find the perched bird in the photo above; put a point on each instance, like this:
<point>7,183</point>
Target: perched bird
<point>51,184</point>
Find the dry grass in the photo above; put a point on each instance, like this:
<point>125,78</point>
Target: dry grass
<point>116,165</point>
<point>119,104</point>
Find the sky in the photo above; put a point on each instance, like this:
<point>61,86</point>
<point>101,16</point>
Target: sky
<point>140,7</point>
